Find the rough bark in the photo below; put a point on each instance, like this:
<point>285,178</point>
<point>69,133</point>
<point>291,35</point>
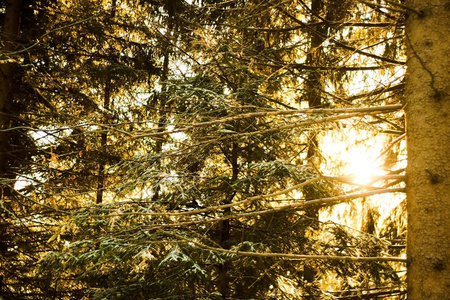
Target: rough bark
<point>428,133</point>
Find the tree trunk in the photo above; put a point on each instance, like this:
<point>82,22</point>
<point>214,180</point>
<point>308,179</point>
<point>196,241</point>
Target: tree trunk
<point>428,134</point>
<point>104,135</point>
<point>163,115</point>
<point>314,96</point>
<point>7,70</point>
<point>223,284</point>
<point>103,142</point>
<point>7,83</point>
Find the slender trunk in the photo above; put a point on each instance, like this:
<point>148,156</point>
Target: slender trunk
<point>162,119</point>
<point>225,226</point>
<point>313,89</point>
<point>103,142</point>
<point>428,135</point>
<point>104,135</point>
<point>314,97</point>
<point>223,268</point>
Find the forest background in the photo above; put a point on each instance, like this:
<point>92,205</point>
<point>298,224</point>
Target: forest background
<point>234,149</point>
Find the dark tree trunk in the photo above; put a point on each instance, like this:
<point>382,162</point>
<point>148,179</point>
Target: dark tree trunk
<point>7,85</point>
<point>7,112</point>
<point>104,135</point>
<point>225,226</point>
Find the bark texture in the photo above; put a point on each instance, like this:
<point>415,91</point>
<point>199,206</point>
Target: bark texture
<point>428,133</point>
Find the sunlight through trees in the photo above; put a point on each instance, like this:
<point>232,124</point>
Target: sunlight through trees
<point>204,149</point>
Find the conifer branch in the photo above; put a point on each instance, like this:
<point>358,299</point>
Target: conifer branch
<point>327,201</point>
<point>290,256</point>
<point>372,5</point>
<point>310,122</point>
<point>356,112</point>
<point>338,43</point>
<point>38,40</point>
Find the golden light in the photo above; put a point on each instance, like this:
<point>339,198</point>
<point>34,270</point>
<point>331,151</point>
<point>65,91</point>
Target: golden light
<point>362,167</point>
<point>354,154</point>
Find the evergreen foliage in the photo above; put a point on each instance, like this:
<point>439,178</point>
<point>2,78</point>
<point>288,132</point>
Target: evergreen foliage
<point>163,150</point>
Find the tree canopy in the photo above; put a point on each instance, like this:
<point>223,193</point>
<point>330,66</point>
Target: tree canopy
<point>202,149</point>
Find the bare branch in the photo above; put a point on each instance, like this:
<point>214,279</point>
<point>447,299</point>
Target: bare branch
<point>388,147</point>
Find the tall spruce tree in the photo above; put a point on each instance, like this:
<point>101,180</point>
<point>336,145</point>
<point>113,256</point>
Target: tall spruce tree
<point>22,237</point>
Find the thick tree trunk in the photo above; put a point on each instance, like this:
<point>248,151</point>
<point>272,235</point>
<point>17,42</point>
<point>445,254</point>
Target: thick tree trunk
<point>428,133</point>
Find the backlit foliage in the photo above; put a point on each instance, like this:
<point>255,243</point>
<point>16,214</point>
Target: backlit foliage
<point>187,149</point>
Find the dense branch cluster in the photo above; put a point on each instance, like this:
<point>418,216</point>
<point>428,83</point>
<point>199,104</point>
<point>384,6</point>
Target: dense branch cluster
<point>178,149</point>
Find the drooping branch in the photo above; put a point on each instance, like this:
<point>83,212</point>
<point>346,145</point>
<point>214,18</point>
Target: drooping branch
<point>324,22</point>
<point>288,207</point>
<point>347,111</point>
<point>291,256</point>
<point>39,39</point>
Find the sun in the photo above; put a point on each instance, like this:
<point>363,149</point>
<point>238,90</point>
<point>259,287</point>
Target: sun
<point>354,154</point>
<point>362,168</point>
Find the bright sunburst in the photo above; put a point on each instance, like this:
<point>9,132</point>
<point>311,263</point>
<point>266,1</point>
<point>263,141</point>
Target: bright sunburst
<point>362,168</point>
<point>352,153</point>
